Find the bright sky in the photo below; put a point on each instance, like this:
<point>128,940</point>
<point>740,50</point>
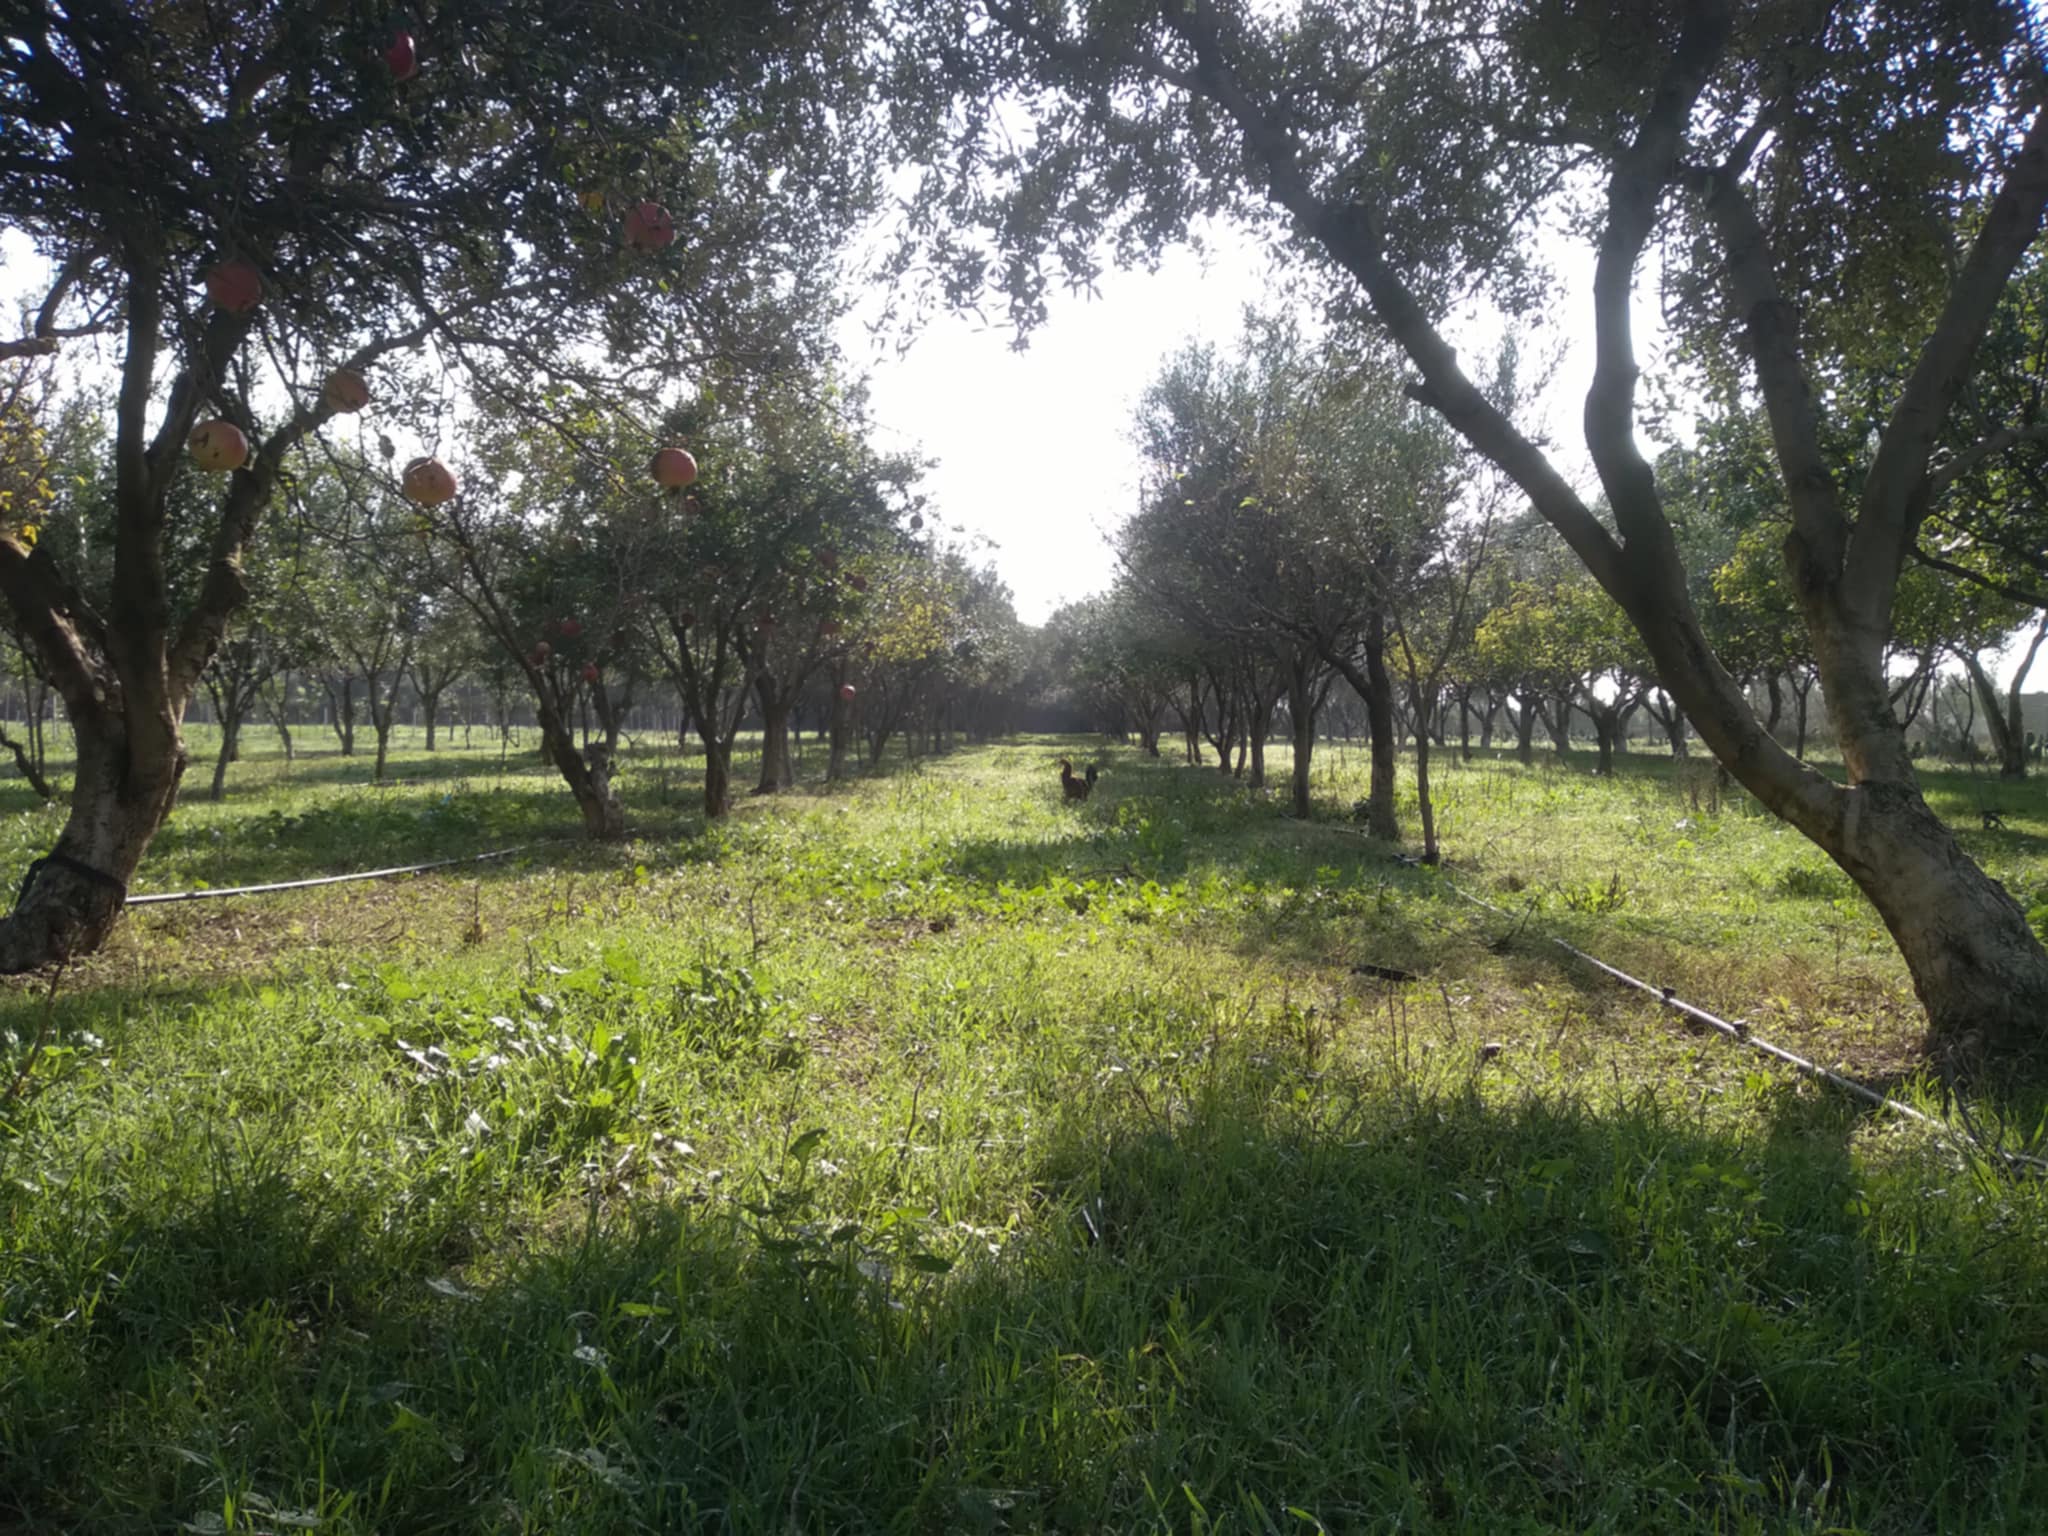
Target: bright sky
<point>1033,447</point>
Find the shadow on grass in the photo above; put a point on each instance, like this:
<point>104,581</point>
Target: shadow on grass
<point>1380,1309</point>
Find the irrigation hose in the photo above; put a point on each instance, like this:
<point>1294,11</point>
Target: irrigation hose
<point>300,885</point>
<point>1740,1032</point>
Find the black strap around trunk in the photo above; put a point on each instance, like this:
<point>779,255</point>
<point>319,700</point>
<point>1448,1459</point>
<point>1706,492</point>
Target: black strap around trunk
<point>77,867</point>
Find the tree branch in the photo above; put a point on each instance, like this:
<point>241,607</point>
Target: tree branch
<point>1896,492</point>
<point>1634,191</point>
<point>2033,597</point>
<point>1820,530</point>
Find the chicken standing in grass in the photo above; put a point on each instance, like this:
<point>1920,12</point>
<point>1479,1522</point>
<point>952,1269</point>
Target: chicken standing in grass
<point>1076,789</point>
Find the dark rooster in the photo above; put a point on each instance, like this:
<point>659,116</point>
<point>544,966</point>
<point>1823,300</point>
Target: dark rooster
<point>1075,789</point>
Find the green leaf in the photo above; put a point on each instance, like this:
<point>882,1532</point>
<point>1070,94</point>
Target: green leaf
<point>806,1144</point>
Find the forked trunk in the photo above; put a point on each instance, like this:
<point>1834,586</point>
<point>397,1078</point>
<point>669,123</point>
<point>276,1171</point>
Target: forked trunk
<point>588,776</point>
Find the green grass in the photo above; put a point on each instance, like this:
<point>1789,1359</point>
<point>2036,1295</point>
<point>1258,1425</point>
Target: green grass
<point>929,1155</point>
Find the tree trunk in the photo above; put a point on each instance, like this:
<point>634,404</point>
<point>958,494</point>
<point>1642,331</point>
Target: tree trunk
<point>430,706</point>
<point>717,779</point>
<point>588,775</point>
<point>841,729</point>
<point>278,709</point>
<point>119,797</point>
<point>1525,730</point>
<point>776,770</point>
<point>1301,714</point>
<point>1425,806</point>
<point>1674,728</point>
<point>1380,818</point>
<point>2006,717</point>
<point>230,728</point>
<point>344,706</point>
<point>1560,722</point>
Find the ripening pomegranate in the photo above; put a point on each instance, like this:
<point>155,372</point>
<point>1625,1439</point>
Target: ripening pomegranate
<point>429,482</point>
<point>649,227</point>
<point>235,286</point>
<point>673,468</point>
<point>402,57</point>
<point>218,446</point>
<point>345,391</point>
<point>590,672</point>
<point>571,628</point>
<point>846,692</point>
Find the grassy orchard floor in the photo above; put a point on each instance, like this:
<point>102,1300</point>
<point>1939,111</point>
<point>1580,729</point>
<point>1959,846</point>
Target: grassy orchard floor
<point>930,1155</point>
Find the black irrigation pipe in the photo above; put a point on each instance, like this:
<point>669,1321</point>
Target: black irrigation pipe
<point>1739,1031</point>
<point>300,885</point>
